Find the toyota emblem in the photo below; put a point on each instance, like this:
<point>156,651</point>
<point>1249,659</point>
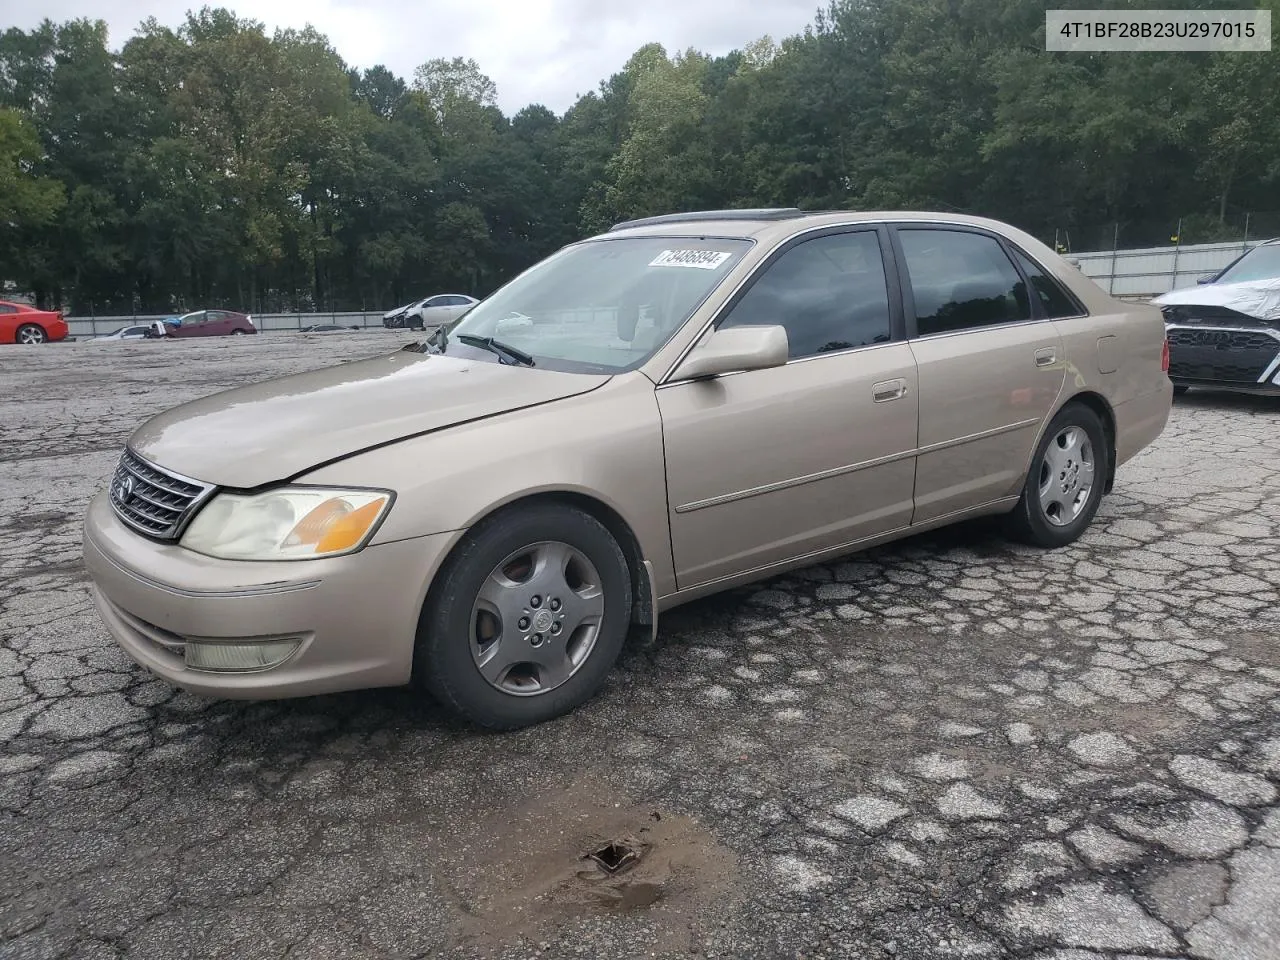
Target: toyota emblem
<point>124,489</point>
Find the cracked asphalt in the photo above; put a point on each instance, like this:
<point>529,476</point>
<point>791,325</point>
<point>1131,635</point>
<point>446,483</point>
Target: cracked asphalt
<point>949,747</point>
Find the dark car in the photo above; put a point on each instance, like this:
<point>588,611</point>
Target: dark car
<point>209,323</point>
<point>1224,333</point>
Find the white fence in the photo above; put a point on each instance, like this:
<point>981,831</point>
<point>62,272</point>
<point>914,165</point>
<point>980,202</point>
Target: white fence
<point>1151,271</point>
<point>85,327</point>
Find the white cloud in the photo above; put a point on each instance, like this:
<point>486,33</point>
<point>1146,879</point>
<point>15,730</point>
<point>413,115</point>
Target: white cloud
<point>536,51</point>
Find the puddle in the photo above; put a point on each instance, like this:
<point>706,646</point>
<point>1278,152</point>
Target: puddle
<point>580,852</point>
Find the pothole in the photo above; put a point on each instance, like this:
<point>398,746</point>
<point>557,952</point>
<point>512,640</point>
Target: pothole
<point>615,857</point>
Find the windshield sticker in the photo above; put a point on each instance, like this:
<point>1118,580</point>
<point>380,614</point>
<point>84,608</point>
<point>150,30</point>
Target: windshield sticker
<point>699,259</point>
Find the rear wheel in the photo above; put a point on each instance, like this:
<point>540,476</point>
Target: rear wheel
<point>1064,485</point>
<point>237,332</point>
<point>527,618</point>
<point>31,333</point>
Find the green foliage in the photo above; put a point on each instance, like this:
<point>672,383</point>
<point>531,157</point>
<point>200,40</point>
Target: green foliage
<point>217,163</point>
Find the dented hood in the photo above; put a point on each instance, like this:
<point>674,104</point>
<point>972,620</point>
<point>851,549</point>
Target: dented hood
<point>275,430</point>
<point>1254,298</point>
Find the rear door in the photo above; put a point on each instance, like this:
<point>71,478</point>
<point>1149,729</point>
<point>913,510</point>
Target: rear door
<point>436,310</point>
<point>458,305</point>
<point>766,466</point>
<point>990,362</point>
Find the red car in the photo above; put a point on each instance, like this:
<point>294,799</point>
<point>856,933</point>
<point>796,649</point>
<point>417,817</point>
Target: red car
<point>21,323</point>
<point>210,323</point>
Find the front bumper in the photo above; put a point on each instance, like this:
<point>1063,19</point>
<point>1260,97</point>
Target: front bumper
<point>1231,357</point>
<point>355,616</point>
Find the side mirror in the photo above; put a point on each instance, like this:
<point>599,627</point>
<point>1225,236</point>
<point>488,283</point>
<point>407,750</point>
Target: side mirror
<point>734,349</point>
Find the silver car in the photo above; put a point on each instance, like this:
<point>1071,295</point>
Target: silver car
<point>438,310</point>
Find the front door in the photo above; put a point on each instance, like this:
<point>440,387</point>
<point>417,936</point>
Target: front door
<point>770,465</point>
<point>991,367</point>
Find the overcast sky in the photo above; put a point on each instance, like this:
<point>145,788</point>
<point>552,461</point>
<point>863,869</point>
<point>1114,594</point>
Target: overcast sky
<point>536,51</point>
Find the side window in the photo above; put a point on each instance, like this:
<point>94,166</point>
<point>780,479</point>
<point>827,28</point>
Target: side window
<point>961,281</point>
<point>1057,302</point>
<point>437,302</point>
<point>829,293</point>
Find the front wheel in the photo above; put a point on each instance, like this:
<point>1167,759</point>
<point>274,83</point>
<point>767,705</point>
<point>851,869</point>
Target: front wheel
<point>527,617</point>
<point>1064,485</point>
<point>31,333</point>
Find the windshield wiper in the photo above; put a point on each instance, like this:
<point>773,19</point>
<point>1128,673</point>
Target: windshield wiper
<point>498,347</point>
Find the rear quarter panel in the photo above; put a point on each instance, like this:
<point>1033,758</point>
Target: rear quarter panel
<point>1118,355</point>
<point>1114,352</point>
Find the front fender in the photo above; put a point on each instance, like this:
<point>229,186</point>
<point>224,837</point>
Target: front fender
<point>605,445</point>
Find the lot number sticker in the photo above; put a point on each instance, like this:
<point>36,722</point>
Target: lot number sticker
<point>699,259</point>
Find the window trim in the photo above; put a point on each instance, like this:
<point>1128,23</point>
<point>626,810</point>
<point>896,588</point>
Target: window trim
<point>887,264</point>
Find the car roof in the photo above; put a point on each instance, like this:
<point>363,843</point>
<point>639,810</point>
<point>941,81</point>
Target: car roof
<point>774,223</point>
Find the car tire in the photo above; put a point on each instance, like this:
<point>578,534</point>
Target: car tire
<point>1054,509</point>
<point>31,333</point>
<point>482,662</point>
<point>237,333</point>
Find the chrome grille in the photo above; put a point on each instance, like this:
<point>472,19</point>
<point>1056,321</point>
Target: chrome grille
<point>154,501</point>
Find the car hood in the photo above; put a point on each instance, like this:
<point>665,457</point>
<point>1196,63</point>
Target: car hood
<point>1255,298</point>
<point>275,430</point>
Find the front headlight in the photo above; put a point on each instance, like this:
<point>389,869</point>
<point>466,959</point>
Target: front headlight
<point>291,523</point>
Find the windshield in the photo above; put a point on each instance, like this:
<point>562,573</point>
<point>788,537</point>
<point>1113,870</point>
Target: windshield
<point>1260,263</point>
<point>604,306</point>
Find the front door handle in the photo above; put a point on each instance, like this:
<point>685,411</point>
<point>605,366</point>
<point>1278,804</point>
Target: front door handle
<point>887,390</point>
<point>1046,356</point>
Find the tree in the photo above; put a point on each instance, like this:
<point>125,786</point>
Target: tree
<point>28,202</point>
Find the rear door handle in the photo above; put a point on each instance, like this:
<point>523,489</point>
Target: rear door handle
<point>1045,356</point>
<point>887,390</point>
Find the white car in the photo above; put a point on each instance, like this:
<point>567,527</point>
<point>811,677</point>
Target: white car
<point>135,332</point>
<point>438,310</point>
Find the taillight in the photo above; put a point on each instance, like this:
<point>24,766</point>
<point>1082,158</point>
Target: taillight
<point>1164,356</point>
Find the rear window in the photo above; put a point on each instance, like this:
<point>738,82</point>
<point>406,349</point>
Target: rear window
<point>1057,303</point>
<point>961,280</point>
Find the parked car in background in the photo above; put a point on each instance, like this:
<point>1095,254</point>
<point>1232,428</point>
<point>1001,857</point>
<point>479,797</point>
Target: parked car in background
<point>135,332</point>
<point>704,401</point>
<point>206,323</point>
<point>438,310</point>
<point>1224,333</point>
<point>23,323</point>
